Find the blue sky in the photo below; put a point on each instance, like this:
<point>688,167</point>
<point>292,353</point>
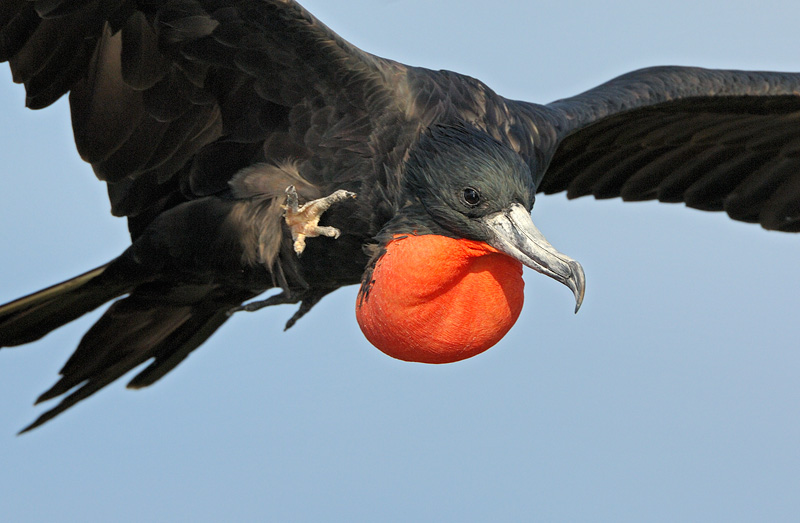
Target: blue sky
<point>672,395</point>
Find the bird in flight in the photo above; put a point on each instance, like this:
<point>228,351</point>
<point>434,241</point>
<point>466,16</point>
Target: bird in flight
<point>252,148</point>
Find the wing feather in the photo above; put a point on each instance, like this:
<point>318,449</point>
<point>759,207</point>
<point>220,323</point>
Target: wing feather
<point>715,140</point>
<point>153,84</point>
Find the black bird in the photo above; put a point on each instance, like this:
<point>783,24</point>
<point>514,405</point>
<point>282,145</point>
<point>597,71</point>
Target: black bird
<point>200,115</point>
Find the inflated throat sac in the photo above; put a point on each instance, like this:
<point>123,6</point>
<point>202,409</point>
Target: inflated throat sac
<point>435,299</point>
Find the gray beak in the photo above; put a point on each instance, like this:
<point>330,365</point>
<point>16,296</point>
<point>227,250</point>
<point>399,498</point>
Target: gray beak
<point>512,231</point>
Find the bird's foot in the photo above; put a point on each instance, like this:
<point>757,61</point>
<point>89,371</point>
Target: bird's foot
<point>303,220</point>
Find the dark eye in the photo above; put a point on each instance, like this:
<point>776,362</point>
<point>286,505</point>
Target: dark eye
<point>471,196</point>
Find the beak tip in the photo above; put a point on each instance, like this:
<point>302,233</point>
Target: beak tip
<point>577,282</point>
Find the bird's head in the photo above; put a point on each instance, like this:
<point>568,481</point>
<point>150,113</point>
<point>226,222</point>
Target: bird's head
<point>462,175</point>
<point>448,284</point>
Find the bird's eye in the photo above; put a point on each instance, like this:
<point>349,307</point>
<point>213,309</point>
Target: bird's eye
<point>471,196</point>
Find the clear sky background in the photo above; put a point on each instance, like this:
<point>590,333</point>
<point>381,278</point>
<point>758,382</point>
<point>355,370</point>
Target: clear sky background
<point>674,395</point>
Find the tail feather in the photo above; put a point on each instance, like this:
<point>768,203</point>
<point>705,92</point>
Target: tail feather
<point>124,334</point>
<point>31,317</point>
<point>158,322</point>
<point>174,350</point>
<point>134,330</point>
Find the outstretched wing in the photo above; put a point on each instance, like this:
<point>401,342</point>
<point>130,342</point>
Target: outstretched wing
<point>169,99</point>
<point>716,140</point>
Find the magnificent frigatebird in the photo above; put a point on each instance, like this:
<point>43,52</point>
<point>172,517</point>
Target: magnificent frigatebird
<point>423,152</point>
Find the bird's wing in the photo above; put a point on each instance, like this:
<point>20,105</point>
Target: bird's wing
<point>169,99</point>
<point>716,140</point>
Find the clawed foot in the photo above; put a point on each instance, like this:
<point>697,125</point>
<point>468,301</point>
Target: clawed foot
<point>304,221</point>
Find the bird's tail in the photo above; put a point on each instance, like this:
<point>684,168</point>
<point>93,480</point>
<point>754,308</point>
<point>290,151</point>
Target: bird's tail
<point>160,322</point>
<point>153,324</point>
<point>29,318</point>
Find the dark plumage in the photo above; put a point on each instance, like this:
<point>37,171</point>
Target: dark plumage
<point>206,92</point>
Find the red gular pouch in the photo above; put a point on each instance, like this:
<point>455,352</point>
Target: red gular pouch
<point>435,299</point>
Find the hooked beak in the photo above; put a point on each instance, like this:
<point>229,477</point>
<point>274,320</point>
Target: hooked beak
<point>512,232</point>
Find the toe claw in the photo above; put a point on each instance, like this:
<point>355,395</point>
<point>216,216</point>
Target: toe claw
<point>303,221</point>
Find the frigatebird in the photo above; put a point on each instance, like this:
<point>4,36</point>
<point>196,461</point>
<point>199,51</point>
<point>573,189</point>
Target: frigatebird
<point>200,119</point>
